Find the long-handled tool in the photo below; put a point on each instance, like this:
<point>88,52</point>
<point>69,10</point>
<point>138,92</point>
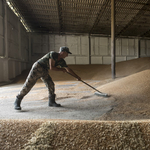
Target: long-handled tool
<point>97,93</point>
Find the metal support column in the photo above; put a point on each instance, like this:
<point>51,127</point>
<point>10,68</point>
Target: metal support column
<point>5,30</point>
<point>89,49</point>
<point>139,48</point>
<point>113,39</point>
<point>6,59</point>
<point>30,49</point>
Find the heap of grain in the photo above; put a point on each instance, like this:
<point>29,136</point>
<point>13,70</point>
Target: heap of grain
<point>90,135</point>
<point>15,133</point>
<point>97,72</point>
<point>132,95</point>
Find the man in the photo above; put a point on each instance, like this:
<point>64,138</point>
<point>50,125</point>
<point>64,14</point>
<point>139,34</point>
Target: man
<point>53,61</point>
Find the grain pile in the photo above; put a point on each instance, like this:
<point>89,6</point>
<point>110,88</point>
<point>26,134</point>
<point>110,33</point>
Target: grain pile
<point>102,72</point>
<point>15,133</point>
<point>132,96</point>
<point>56,135</point>
<point>96,72</point>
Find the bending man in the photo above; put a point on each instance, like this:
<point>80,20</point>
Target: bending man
<point>53,61</point>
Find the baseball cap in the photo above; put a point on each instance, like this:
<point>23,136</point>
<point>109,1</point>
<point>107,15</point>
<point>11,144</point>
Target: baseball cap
<point>64,48</point>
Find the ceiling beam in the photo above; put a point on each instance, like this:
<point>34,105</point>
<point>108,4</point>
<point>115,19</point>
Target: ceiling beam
<point>101,11</point>
<point>135,18</point>
<point>60,15</point>
<point>147,33</point>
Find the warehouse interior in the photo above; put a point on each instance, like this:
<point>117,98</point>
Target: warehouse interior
<point>110,45</point>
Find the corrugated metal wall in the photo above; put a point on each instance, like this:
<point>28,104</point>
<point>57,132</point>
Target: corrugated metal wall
<point>100,51</point>
<point>14,44</point>
<point>78,46</point>
<point>144,48</point>
<point>2,48</point>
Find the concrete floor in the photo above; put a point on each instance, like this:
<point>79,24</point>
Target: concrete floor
<point>35,103</point>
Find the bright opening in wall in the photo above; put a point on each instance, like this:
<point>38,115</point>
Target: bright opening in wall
<point>11,5</point>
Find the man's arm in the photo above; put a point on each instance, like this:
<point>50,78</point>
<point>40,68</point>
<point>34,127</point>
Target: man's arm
<point>65,69</point>
<point>52,66</point>
<point>73,73</point>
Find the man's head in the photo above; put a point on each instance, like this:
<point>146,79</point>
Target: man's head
<point>64,49</point>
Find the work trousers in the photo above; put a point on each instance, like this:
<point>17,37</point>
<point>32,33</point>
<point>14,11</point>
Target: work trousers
<point>37,72</point>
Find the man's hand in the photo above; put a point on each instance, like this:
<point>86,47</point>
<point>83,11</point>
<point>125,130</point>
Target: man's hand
<point>79,79</point>
<point>53,67</point>
<point>71,72</point>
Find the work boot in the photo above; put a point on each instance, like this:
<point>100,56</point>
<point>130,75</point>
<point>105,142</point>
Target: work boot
<point>17,103</point>
<point>52,101</point>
